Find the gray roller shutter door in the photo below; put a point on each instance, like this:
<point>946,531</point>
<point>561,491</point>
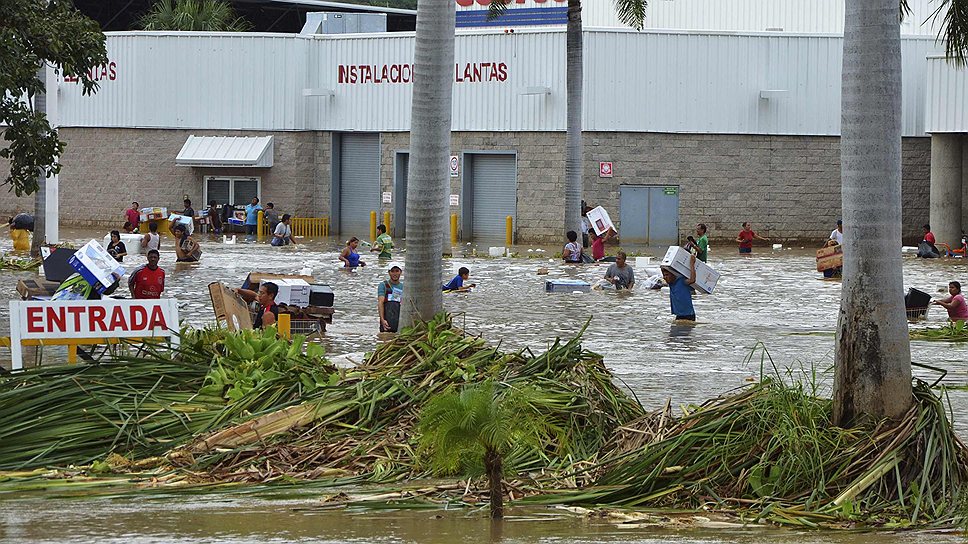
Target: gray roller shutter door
<point>359,184</point>
<point>495,194</point>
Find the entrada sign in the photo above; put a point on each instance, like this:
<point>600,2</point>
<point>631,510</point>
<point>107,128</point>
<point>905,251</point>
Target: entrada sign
<point>90,319</point>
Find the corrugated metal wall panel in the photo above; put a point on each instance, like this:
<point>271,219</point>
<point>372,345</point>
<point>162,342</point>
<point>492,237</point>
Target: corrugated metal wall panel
<point>803,16</point>
<point>658,81</point>
<point>494,194</point>
<point>712,82</point>
<point>946,97</point>
<point>359,184</point>
<point>195,80</point>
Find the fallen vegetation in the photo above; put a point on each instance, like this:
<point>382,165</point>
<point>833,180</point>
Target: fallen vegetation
<point>253,410</point>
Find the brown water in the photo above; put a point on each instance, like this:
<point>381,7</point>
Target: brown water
<point>774,298</point>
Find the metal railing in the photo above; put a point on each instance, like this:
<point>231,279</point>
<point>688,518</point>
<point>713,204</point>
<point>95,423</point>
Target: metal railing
<point>308,227</point>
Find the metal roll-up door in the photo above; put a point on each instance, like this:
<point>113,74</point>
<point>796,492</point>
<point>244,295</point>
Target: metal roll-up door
<point>359,182</point>
<point>494,194</point>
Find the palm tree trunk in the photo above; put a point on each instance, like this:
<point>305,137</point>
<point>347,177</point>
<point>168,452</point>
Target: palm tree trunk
<point>573,139</point>
<point>872,376</point>
<point>493,465</point>
<point>429,153</point>
<point>40,197</point>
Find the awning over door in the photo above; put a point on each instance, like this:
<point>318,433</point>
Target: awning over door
<point>209,151</point>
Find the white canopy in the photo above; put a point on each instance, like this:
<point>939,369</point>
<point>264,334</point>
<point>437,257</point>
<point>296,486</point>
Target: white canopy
<point>212,151</point>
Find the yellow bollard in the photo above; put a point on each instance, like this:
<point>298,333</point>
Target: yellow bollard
<point>453,229</point>
<point>386,222</point>
<point>509,231</point>
<point>284,326</point>
<point>260,227</point>
<point>372,225</point>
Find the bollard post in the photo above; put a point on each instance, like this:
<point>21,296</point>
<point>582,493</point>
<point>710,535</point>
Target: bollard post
<point>372,225</point>
<point>260,227</point>
<point>386,221</point>
<point>453,229</point>
<point>509,231</point>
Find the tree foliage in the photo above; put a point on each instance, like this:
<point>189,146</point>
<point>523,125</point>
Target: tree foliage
<point>34,32</point>
<point>477,431</point>
<point>194,15</point>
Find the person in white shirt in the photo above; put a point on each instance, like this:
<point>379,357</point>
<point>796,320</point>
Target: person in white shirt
<point>837,234</point>
<point>282,236</point>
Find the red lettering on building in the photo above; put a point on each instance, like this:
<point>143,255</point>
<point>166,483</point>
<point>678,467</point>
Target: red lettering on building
<point>107,71</point>
<point>469,3</point>
<point>471,72</point>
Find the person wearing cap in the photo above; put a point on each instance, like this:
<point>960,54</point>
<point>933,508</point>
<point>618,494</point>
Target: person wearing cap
<point>837,234</point>
<point>389,296</point>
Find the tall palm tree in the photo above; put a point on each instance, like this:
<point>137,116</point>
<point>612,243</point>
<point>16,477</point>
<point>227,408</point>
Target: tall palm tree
<point>630,12</point>
<point>872,373</point>
<point>198,15</point>
<point>430,125</point>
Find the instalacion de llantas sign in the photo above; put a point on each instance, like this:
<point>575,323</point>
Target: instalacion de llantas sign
<point>471,72</point>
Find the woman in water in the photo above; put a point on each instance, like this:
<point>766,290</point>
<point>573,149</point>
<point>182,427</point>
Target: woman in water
<point>349,256</point>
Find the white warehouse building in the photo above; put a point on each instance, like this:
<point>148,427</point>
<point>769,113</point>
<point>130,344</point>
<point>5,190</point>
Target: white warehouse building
<point>682,124</point>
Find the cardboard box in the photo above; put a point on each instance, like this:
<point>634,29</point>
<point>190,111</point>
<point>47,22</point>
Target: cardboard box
<point>253,280</point>
<point>148,214</point>
<point>229,308</point>
<point>96,265</point>
<point>567,286</point>
<point>132,242</point>
<point>830,257</point>
<point>29,289</point>
<point>600,220</point>
<point>677,260</point>
<point>292,292</point>
<point>236,221</point>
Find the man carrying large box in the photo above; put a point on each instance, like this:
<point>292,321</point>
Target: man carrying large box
<point>680,291</point>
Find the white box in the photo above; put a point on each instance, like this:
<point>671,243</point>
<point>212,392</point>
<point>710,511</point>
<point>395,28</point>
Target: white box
<point>642,262</point>
<point>132,242</point>
<point>292,292</point>
<point>600,220</point>
<point>96,265</point>
<point>495,251</point>
<point>677,260</point>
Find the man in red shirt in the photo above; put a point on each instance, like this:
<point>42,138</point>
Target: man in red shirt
<point>148,281</point>
<point>133,216</point>
<point>746,237</point>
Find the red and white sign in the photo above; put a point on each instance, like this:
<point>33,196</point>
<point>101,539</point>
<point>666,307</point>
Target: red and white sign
<point>605,169</point>
<point>72,319</point>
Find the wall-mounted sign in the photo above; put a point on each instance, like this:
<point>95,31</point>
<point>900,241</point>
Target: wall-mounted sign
<point>387,197</point>
<point>454,167</point>
<point>455,200</point>
<point>670,191</point>
<point>605,169</point>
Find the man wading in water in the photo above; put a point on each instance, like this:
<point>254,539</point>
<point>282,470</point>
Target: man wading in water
<point>389,296</point>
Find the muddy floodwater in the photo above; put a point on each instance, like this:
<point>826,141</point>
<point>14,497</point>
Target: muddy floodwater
<point>773,299</point>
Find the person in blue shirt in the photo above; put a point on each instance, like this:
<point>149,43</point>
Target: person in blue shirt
<point>252,216</point>
<point>680,291</point>
<point>457,284</point>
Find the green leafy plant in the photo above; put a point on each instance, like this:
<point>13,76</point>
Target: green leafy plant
<point>194,15</point>
<point>474,430</point>
<point>955,331</point>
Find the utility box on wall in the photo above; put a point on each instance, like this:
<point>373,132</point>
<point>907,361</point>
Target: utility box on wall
<point>344,23</point>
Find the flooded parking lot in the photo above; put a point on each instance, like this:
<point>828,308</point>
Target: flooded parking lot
<point>773,298</point>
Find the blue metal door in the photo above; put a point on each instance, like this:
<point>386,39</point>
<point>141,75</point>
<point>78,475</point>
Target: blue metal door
<point>649,215</point>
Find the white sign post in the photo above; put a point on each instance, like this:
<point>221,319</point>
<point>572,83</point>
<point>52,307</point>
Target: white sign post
<point>68,321</point>
<point>454,166</point>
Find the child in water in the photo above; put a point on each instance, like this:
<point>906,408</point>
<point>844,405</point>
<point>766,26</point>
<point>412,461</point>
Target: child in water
<point>457,284</point>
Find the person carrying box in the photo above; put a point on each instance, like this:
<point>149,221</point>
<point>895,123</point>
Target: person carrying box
<point>680,291</point>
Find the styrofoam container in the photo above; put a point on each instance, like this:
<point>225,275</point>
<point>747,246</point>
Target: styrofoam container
<point>132,242</point>
<point>677,260</point>
<point>496,251</point>
<point>642,262</point>
<point>909,249</point>
<point>777,246</point>
<point>292,292</point>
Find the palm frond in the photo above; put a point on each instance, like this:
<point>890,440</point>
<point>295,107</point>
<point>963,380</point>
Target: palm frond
<point>632,12</point>
<point>905,10</point>
<point>497,8</point>
<point>954,29</point>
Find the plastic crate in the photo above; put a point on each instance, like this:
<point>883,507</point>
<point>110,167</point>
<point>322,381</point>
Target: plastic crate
<point>307,327</point>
